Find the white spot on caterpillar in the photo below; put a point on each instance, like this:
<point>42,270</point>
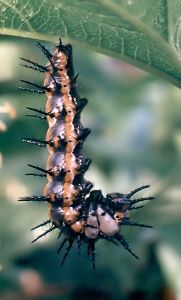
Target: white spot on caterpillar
<point>106,223</point>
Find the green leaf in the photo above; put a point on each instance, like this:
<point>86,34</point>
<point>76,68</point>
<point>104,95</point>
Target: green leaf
<point>144,33</point>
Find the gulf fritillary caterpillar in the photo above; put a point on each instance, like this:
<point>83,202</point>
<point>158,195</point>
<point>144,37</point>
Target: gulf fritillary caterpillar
<point>78,212</point>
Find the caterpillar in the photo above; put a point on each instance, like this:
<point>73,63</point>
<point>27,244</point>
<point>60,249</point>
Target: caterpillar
<point>79,213</point>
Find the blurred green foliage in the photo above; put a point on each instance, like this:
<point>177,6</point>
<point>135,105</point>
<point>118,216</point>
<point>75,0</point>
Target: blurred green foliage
<point>136,139</point>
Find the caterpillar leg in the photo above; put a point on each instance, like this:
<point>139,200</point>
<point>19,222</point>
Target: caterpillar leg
<point>35,174</point>
<point>141,199</point>
<point>31,90</point>
<point>43,234</point>
<point>61,245</point>
<point>91,252</point>
<point>36,142</point>
<point>35,198</point>
<point>70,241</point>
<point>33,65</point>
<point>41,87</point>
<point>44,50</point>
<point>36,116</point>
<point>108,238</point>
<point>137,190</point>
<point>132,223</point>
<point>42,224</point>
<point>38,111</point>
<point>126,246</point>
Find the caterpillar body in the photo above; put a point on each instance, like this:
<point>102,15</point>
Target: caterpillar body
<point>78,212</point>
